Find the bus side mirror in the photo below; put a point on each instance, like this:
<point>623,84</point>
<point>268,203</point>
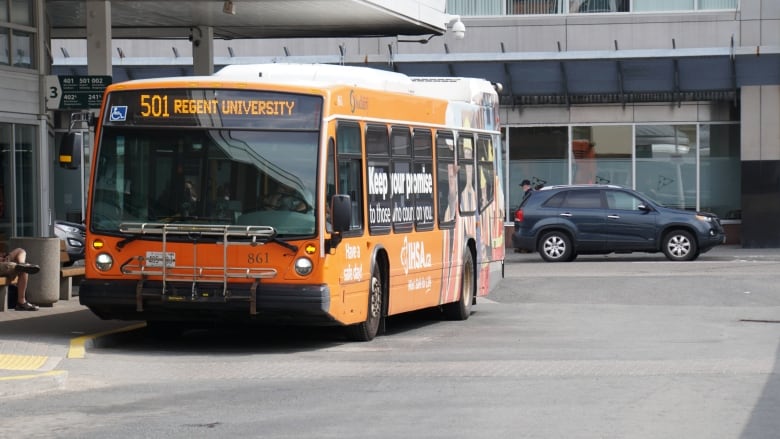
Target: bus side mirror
<point>340,217</point>
<point>71,147</point>
<point>341,212</point>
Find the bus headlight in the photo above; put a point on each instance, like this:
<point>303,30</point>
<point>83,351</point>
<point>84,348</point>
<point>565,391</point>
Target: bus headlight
<point>303,266</point>
<point>104,262</point>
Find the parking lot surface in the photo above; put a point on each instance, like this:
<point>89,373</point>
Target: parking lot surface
<point>609,346</point>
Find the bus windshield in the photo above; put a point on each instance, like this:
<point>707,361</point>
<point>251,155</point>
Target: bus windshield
<point>205,176</point>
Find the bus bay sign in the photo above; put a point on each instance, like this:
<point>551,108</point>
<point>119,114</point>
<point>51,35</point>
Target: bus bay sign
<point>75,92</point>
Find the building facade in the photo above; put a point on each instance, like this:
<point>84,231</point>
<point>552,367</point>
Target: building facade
<point>25,134</point>
<point>679,99</point>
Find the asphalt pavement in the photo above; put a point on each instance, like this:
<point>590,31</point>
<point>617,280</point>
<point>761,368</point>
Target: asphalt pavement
<point>33,344</point>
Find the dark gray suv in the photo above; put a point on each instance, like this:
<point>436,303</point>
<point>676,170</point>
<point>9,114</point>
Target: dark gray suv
<point>561,222</point>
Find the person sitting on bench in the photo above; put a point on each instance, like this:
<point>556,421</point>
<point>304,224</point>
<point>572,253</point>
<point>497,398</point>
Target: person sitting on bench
<point>13,264</point>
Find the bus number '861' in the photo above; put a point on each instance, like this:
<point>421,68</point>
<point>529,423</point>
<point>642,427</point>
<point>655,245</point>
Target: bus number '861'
<point>257,258</point>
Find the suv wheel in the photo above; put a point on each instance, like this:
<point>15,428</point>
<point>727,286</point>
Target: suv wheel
<point>555,247</point>
<point>679,245</point>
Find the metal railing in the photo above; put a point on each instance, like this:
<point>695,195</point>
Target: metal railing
<point>532,7</point>
<point>477,8</point>
<point>163,263</point>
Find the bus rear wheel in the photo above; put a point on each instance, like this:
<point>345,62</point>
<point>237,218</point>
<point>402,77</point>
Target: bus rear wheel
<point>367,330</point>
<point>461,310</point>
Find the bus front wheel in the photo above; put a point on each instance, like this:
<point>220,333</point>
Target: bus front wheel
<point>367,330</point>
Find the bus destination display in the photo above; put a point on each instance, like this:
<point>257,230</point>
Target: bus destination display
<point>213,108</point>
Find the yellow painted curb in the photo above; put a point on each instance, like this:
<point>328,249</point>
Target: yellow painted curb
<point>51,373</point>
<point>22,362</point>
<point>77,349</point>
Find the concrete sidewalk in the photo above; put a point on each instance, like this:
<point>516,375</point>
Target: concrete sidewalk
<point>31,348</point>
<point>34,343</point>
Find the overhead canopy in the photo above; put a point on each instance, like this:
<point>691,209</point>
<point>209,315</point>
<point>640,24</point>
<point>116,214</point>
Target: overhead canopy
<point>610,76</point>
<point>673,75</point>
<point>252,18</point>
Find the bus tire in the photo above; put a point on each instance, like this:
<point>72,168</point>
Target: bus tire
<point>461,310</point>
<point>366,331</point>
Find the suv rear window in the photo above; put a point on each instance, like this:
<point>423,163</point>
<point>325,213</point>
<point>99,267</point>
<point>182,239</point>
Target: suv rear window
<point>577,199</point>
<point>556,200</point>
<point>587,199</point>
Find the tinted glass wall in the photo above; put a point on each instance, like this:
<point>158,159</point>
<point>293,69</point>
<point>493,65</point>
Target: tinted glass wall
<point>537,154</point>
<point>687,166</point>
<point>18,197</point>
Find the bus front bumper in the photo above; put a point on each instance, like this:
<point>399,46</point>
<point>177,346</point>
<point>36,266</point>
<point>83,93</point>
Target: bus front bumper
<point>129,300</point>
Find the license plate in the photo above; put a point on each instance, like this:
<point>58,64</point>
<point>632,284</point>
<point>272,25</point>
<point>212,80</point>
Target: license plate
<point>155,259</point>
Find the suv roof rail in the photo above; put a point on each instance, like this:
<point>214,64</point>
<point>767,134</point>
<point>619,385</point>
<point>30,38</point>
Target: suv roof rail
<point>581,185</point>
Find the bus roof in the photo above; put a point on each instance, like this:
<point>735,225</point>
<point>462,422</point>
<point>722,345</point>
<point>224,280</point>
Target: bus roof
<point>319,74</point>
<point>453,89</point>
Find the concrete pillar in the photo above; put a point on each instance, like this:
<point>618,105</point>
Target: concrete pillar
<point>202,38</point>
<point>99,36</point>
<point>43,288</point>
<point>760,132</point>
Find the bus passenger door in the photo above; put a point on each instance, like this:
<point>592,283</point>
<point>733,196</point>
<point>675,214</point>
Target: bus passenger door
<point>350,263</point>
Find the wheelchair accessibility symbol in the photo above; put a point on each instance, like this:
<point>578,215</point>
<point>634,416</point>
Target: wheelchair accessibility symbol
<point>118,113</point>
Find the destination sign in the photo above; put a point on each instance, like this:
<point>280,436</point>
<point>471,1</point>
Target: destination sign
<point>75,92</point>
<point>213,108</point>
<point>243,106</point>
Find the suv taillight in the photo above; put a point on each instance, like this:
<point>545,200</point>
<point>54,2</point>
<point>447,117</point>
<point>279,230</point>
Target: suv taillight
<point>519,215</point>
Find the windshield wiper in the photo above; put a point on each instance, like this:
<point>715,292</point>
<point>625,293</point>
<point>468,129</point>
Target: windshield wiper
<point>128,239</point>
<point>283,243</point>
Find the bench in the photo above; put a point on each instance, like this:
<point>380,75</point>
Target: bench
<point>67,273</point>
<point>5,282</point>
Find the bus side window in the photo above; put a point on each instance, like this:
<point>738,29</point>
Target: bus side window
<point>446,176</point>
<point>423,166</point>
<point>485,177</point>
<point>349,166</point>
<point>468,195</point>
<point>330,183</point>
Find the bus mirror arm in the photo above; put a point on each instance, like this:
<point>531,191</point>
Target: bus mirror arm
<point>333,242</point>
<point>72,143</point>
<point>82,120</point>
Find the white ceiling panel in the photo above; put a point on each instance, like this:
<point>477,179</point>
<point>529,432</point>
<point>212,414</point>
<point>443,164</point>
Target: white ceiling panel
<point>252,19</point>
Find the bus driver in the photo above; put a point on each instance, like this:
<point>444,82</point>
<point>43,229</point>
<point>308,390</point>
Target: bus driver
<point>286,198</point>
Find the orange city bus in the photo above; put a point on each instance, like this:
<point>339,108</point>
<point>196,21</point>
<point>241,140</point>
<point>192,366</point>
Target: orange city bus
<point>304,194</point>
